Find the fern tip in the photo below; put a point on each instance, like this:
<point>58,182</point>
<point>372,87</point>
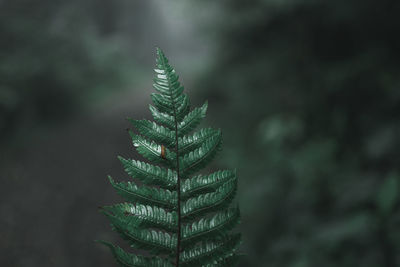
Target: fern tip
<point>120,158</point>
<point>103,243</point>
<point>159,51</point>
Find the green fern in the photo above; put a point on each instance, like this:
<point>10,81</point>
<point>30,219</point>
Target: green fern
<point>179,219</point>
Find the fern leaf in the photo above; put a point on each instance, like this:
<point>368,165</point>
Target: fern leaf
<point>151,150</point>
<point>154,131</point>
<point>131,260</point>
<point>210,251</point>
<point>178,219</point>
<point>150,174</point>
<point>166,83</point>
<point>190,142</point>
<point>145,195</point>
<point>166,80</point>
<point>200,157</point>
<point>155,241</point>
<point>163,118</point>
<point>214,227</point>
<point>144,216</point>
<point>206,183</point>
<point>183,107</point>
<point>209,202</point>
<point>191,120</point>
<point>165,105</point>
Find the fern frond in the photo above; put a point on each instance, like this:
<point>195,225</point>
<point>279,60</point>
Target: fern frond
<point>145,195</point>
<point>210,251</point>
<point>150,174</point>
<point>190,142</point>
<point>183,107</point>
<point>152,240</point>
<point>166,83</point>
<point>205,183</point>
<point>165,105</point>
<point>154,131</point>
<point>215,227</point>
<point>200,157</point>
<point>169,214</point>
<point>166,80</point>
<point>191,120</point>
<point>144,216</point>
<point>151,150</point>
<point>131,260</point>
<point>209,202</point>
<point>163,118</point>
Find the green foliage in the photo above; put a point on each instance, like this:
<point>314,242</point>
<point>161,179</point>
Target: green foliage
<point>179,219</point>
<point>387,194</point>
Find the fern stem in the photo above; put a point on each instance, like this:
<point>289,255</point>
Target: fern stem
<point>178,245</point>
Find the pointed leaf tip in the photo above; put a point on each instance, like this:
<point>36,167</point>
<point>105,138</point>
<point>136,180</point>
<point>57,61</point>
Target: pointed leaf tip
<point>101,242</point>
<point>159,52</point>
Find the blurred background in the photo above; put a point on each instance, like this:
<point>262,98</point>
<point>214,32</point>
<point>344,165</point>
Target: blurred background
<point>306,93</point>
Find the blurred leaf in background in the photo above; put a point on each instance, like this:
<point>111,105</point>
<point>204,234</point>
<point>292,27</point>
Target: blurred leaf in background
<point>312,93</point>
<point>388,194</point>
<point>57,57</point>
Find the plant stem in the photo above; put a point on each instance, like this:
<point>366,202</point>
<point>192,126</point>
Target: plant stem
<point>178,245</point>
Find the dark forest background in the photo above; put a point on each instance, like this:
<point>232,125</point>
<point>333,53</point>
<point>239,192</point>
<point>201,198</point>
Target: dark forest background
<point>307,94</point>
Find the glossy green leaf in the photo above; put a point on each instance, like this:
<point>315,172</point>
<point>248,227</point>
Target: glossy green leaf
<point>209,202</point>
<point>132,260</point>
<point>166,83</point>
<point>214,227</point>
<point>191,120</point>
<point>163,118</point>
<point>150,174</point>
<point>210,251</point>
<point>200,157</point>
<point>166,80</point>
<point>205,183</point>
<point>145,195</point>
<point>182,107</point>
<point>154,132</point>
<point>155,241</point>
<point>152,151</point>
<point>163,104</point>
<point>141,216</point>
<point>190,142</point>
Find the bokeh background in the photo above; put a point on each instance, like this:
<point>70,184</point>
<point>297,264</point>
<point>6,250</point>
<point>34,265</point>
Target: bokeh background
<point>306,92</point>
